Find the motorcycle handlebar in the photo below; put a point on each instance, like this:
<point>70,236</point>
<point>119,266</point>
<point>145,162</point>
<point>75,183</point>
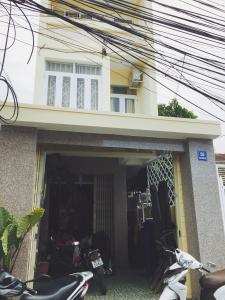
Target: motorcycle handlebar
<point>206,270</point>
<point>169,251</point>
<point>31,291</point>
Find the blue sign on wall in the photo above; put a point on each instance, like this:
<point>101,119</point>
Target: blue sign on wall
<point>202,155</point>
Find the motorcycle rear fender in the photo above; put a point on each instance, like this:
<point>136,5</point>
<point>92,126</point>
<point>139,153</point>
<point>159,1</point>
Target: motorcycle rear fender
<point>168,294</point>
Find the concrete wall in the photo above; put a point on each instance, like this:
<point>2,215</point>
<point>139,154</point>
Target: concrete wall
<point>75,45</point>
<point>205,232</point>
<point>17,176</point>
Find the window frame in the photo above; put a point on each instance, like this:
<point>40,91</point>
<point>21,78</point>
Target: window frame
<point>122,101</point>
<point>73,88</point>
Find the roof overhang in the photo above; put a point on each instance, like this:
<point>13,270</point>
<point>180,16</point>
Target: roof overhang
<point>61,119</point>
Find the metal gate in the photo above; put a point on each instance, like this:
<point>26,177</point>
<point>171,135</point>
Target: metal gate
<point>103,205</point>
<point>221,183</point>
<point>162,169</point>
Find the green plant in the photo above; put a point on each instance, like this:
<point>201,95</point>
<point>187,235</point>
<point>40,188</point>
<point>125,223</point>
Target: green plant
<point>174,109</point>
<point>12,234</point>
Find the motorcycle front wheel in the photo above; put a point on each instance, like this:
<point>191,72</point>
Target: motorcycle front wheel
<point>100,280</point>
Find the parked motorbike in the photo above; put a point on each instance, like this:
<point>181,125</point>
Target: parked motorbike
<point>72,255</point>
<point>90,259</point>
<point>69,287</point>
<point>212,284</point>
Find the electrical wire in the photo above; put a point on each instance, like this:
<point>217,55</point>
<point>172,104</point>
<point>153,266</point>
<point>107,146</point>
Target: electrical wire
<point>155,36</point>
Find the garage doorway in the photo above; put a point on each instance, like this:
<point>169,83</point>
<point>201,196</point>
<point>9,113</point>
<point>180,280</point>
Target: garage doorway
<point>85,186</point>
<point>78,204</point>
<point>151,216</point>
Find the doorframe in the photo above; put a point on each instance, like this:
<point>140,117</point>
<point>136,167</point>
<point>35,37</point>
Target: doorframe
<point>39,195</point>
<point>40,190</point>
<point>182,239</point>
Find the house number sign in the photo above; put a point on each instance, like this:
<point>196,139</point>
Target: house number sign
<point>202,155</point>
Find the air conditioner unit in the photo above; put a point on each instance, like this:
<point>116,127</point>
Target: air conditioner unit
<point>136,78</point>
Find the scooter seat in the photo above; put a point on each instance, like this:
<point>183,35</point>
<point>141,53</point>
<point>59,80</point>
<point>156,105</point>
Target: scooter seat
<point>56,289</point>
<point>213,280</point>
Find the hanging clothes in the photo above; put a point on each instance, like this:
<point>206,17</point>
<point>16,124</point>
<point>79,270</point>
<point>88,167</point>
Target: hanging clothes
<point>166,238</point>
<point>156,213</point>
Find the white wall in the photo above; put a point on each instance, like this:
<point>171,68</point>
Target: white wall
<point>78,46</point>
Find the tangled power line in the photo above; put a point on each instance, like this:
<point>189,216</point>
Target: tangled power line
<point>159,36</point>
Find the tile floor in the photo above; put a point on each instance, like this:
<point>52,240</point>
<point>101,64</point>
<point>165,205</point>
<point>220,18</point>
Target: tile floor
<point>124,286</point>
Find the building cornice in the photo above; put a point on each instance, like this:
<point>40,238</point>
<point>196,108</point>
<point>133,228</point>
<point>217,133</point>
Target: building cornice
<point>62,119</point>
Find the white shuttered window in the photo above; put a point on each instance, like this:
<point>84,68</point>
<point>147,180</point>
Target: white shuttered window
<point>123,103</point>
<point>73,85</point>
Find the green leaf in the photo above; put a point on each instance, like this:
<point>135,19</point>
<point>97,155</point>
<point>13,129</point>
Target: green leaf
<point>1,252</point>
<point>174,109</point>
<point>6,262</point>
<point>5,219</point>
<point>28,221</point>
<point>8,237</point>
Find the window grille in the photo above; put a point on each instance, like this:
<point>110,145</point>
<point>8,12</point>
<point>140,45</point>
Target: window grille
<point>59,67</point>
<point>66,92</point>
<point>221,172</point>
<point>51,90</point>
<point>80,93</point>
<point>88,69</point>
<point>94,94</point>
<point>161,169</point>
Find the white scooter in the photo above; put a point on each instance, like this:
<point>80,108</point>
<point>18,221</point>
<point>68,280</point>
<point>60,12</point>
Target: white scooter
<point>69,287</point>
<point>212,284</point>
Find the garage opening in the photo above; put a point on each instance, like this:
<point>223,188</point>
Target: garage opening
<point>151,216</point>
<point>131,202</point>
<point>137,216</point>
<point>78,207</point>
<point>70,217</point>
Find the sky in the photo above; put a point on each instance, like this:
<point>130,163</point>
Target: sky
<point>22,77</point>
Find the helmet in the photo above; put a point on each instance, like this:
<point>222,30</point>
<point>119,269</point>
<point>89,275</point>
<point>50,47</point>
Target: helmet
<point>9,285</point>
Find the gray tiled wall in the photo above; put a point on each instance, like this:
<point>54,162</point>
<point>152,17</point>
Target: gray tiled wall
<point>202,205</point>
<point>17,175</point>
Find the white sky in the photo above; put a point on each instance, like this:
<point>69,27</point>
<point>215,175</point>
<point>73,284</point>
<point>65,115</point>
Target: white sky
<point>22,79</point>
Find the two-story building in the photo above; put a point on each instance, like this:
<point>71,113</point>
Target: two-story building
<point>82,148</point>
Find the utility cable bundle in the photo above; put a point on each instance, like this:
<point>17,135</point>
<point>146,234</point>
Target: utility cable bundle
<point>183,42</point>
